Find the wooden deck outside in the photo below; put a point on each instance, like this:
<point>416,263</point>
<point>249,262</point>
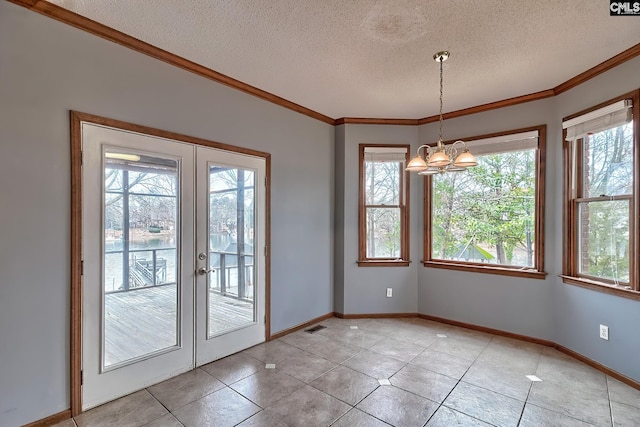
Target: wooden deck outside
<point>143,320</point>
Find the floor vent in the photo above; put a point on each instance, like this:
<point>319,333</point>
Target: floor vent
<point>315,329</point>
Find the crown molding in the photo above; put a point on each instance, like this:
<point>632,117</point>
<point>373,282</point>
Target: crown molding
<point>366,121</point>
<point>490,106</point>
<point>78,21</point>
<point>610,63</point>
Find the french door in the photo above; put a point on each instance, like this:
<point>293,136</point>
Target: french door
<point>173,258</point>
<point>230,236</point>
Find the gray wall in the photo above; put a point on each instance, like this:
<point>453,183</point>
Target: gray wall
<point>361,290</point>
<point>48,68</point>
<point>548,309</point>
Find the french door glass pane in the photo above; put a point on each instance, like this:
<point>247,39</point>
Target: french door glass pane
<point>140,286</point>
<point>603,239</point>
<point>231,302</point>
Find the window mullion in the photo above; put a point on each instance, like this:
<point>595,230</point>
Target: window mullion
<point>383,206</point>
<point>604,198</point>
<point>573,230</point>
<point>579,165</point>
<point>635,204</point>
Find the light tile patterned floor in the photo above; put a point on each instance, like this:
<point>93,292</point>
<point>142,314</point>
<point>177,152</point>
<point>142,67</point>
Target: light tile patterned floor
<point>439,375</point>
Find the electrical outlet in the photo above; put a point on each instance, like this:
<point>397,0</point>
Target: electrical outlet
<point>604,332</point>
<point>389,292</point>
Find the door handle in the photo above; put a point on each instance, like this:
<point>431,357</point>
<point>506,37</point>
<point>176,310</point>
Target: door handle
<point>202,271</point>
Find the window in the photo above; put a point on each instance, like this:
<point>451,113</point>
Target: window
<point>489,218</point>
<point>601,185</point>
<point>384,206</point>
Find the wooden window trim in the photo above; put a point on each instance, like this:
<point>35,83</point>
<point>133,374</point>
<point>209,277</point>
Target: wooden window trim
<point>486,269</point>
<point>403,261</point>
<point>537,272</point>
<point>570,274</point>
<point>384,263</point>
<point>597,285</point>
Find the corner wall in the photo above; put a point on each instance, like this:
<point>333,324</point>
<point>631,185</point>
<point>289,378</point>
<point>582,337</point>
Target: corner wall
<point>48,68</point>
<point>361,290</point>
<point>339,221</point>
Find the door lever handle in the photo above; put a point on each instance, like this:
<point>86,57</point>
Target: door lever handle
<point>202,271</point>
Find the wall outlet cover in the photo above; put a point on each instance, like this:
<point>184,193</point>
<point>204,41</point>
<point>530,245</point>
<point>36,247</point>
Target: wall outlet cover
<point>604,332</point>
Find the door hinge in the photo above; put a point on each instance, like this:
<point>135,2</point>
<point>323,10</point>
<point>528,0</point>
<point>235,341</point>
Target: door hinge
<point>265,251</point>
<point>81,377</point>
<point>265,181</point>
<point>265,319</point>
<point>82,268</point>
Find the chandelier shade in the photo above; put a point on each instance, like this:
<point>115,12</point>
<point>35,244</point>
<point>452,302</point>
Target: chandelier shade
<point>465,160</point>
<point>438,159</point>
<point>417,164</point>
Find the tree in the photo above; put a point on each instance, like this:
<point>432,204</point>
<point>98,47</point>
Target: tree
<point>151,197</point>
<point>382,192</point>
<point>491,205</point>
<point>232,199</point>
<point>607,173</point>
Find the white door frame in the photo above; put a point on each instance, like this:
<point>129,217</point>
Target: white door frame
<point>77,118</point>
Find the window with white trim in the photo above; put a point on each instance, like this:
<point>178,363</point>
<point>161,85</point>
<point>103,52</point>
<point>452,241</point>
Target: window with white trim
<point>601,195</point>
<point>489,218</point>
<point>384,205</point>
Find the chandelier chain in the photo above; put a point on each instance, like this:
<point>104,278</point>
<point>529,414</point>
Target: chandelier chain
<point>440,137</point>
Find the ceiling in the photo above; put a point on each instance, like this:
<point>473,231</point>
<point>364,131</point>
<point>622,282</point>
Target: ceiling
<point>373,58</point>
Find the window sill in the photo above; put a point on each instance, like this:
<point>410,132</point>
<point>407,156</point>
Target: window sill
<point>601,287</point>
<point>503,271</point>
<point>383,263</point>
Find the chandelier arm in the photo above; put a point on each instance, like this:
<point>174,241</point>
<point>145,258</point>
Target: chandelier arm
<point>460,142</point>
<point>421,147</point>
<point>454,151</point>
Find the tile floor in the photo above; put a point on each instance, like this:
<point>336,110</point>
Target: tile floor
<point>381,372</point>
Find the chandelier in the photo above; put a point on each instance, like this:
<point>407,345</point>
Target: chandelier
<point>442,158</point>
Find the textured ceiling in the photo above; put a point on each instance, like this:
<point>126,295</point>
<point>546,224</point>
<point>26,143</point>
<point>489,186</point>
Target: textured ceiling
<point>373,58</point>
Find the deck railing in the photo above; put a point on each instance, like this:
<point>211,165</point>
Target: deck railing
<point>230,276</point>
<point>142,271</point>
